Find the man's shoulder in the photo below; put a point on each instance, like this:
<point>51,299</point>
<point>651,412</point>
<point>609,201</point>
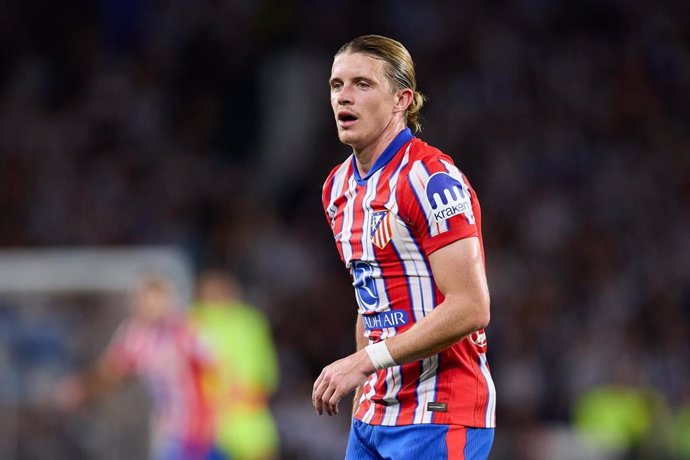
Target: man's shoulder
<point>339,168</point>
<point>422,151</point>
<point>330,184</point>
<point>425,157</point>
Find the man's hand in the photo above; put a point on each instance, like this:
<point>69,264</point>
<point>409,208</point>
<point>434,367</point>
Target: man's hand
<point>69,394</point>
<point>338,379</point>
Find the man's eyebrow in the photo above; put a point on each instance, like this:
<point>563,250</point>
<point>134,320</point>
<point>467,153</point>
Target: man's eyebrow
<point>354,79</point>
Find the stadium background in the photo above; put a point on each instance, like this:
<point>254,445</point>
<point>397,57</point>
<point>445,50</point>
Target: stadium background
<point>205,127</point>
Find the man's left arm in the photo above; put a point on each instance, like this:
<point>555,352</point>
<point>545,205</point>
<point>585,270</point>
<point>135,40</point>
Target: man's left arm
<point>458,271</point>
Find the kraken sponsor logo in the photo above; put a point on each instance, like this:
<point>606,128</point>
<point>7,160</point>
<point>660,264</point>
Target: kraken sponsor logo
<point>448,197</point>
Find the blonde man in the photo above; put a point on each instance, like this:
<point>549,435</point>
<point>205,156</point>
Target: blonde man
<point>407,225</point>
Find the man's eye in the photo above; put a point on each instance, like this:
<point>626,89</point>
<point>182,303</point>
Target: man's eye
<point>362,84</point>
<point>335,86</point>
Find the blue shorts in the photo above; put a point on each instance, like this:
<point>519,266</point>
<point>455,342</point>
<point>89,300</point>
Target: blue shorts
<point>413,442</point>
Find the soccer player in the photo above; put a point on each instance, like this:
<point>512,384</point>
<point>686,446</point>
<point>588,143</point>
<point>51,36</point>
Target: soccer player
<point>157,345</point>
<point>239,338</point>
<point>407,226</point>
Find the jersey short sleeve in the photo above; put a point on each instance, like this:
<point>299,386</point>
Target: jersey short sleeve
<point>438,202</point>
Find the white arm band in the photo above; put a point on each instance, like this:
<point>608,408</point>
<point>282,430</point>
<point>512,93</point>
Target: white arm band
<point>379,355</point>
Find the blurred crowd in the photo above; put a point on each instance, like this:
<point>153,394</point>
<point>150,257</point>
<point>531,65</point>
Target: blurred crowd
<point>206,125</point>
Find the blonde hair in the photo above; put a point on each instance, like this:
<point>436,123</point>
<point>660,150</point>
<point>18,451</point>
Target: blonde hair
<point>399,69</point>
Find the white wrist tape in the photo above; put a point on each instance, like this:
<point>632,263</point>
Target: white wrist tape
<point>379,355</point>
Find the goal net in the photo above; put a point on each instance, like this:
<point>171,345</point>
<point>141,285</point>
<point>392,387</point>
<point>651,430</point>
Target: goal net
<point>58,310</point>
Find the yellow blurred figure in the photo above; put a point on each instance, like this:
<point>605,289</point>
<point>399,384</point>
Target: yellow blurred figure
<point>239,338</point>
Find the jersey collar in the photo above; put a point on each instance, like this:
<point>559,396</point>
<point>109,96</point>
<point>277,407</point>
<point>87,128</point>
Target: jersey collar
<point>401,139</point>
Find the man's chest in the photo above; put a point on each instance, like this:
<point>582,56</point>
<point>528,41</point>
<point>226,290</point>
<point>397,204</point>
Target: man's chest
<point>365,223</point>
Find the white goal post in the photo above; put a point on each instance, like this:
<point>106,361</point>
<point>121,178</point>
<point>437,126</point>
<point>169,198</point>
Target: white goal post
<point>93,269</point>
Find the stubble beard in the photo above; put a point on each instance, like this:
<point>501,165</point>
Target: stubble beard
<point>346,137</point>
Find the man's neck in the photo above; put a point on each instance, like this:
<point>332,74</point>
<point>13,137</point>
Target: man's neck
<point>366,157</point>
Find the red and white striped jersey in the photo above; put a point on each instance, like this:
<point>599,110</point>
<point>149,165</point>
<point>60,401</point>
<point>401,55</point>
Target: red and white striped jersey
<point>170,360</point>
<point>413,202</point>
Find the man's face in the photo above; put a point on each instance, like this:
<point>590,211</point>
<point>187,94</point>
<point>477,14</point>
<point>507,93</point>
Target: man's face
<point>152,303</point>
<point>362,99</point>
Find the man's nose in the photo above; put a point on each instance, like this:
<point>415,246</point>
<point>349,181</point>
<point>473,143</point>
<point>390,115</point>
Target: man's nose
<point>345,96</point>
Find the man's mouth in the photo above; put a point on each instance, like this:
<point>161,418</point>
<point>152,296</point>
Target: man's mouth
<point>346,119</point>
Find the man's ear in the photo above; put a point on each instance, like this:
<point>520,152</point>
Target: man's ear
<point>404,99</point>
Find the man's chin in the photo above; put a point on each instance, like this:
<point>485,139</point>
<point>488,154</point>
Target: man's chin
<point>347,137</point>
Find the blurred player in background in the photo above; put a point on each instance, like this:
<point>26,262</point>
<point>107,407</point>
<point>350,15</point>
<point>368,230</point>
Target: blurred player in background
<point>407,225</point>
<point>239,338</point>
<point>156,344</point>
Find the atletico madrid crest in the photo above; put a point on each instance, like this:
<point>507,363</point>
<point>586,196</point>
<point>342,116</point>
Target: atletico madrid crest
<point>381,229</point>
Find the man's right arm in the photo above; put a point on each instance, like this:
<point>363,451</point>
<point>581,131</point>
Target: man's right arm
<point>113,367</point>
<point>73,392</point>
